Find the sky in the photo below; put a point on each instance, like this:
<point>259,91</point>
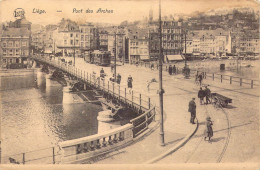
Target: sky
<point>130,10</point>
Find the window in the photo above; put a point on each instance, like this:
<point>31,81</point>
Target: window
<point>71,35</point>
<point>11,60</point>
<point>65,42</point>
<point>82,37</point>
<point>17,44</point>
<point>71,42</point>
<point>77,35</point>
<point>24,43</point>
<point>4,44</point>
<point>81,44</point>
<point>10,44</point>
<point>4,60</point>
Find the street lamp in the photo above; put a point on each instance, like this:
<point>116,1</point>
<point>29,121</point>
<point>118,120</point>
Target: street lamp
<point>161,91</point>
<point>186,70</point>
<point>115,60</point>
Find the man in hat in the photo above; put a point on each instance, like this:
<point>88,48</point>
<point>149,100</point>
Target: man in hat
<point>201,95</point>
<point>192,110</point>
<point>118,79</point>
<point>129,83</point>
<point>102,73</point>
<point>207,94</point>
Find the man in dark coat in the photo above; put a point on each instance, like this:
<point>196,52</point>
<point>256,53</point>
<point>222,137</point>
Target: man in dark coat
<point>129,83</point>
<point>207,94</point>
<point>200,78</point>
<point>102,73</point>
<point>170,70</point>
<point>192,110</point>
<point>174,70</point>
<point>201,95</point>
<point>118,80</point>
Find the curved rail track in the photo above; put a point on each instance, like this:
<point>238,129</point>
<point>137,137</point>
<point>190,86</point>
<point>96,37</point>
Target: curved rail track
<point>202,137</point>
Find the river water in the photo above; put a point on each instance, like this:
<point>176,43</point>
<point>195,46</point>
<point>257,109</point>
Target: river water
<point>34,116</point>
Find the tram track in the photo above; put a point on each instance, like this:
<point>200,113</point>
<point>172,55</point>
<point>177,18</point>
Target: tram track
<point>220,157</point>
<point>228,136</point>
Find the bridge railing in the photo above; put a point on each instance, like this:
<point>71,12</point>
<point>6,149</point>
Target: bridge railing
<point>230,79</point>
<point>137,100</point>
<point>50,155</point>
<point>90,146</point>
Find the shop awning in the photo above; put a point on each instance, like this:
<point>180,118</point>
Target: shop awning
<point>144,57</point>
<point>174,57</point>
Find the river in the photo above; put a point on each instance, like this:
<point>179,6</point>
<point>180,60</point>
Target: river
<point>34,115</point>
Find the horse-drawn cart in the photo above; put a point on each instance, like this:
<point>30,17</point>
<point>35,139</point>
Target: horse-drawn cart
<point>220,100</point>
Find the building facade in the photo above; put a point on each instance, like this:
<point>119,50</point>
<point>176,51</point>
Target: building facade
<point>250,44</point>
<point>139,47</point>
<point>88,37</point>
<point>67,38</point>
<point>172,37</point>
<point>15,42</point>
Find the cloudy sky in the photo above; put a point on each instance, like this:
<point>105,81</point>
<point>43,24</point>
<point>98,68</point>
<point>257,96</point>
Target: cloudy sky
<point>130,10</point>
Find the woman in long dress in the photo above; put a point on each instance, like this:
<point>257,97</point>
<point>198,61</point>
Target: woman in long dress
<point>209,130</point>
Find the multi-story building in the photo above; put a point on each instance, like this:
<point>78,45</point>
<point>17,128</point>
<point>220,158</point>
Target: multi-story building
<point>88,37</point>
<point>138,46</point>
<point>250,43</point>
<point>48,39</point>
<point>15,42</point>
<point>67,38</point>
<point>103,40</point>
<point>171,39</point>
<point>38,41</point>
<point>204,42</point>
<point>113,39</point>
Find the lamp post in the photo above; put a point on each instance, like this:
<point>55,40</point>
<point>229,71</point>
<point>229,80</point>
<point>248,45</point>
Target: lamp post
<point>161,91</point>
<point>186,69</point>
<point>74,52</point>
<point>115,60</point>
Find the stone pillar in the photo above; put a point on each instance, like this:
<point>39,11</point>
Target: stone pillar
<point>39,79</point>
<point>48,82</point>
<point>67,95</point>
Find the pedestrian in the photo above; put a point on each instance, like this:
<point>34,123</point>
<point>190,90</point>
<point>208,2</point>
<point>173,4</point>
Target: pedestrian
<point>112,78</point>
<point>129,83</point>
<point>118,79</point>
<point>174,69</point>
<point>170,70</point>
<point>207,93</point>
<point>102,73</point>
<point>152,66</point>
<point>200,78</point>
<point>192,110</point>
<point>201,95</point>
<point>208,130</point>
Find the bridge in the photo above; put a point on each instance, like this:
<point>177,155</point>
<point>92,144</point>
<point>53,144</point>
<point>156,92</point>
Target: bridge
<point>85,148</point>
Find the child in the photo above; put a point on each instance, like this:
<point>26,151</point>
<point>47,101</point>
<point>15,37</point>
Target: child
<point>209,130</point>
